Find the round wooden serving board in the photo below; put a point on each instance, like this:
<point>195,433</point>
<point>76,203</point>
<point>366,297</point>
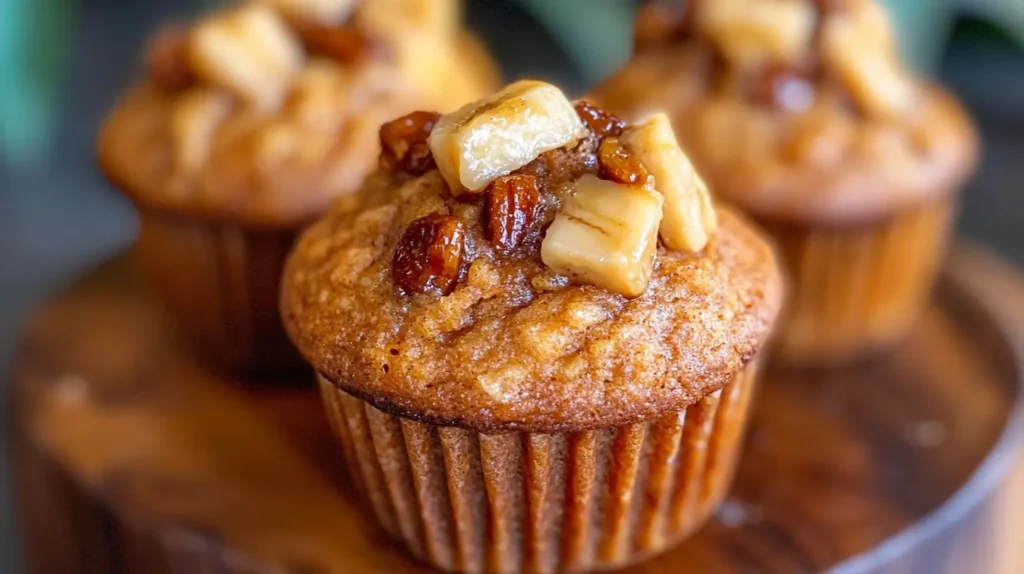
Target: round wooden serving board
<point>133,458</point>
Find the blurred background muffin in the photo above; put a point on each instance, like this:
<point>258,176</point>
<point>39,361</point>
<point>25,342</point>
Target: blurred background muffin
<point>249,122</point>
<point>560,274</point>
<point>802,114</point>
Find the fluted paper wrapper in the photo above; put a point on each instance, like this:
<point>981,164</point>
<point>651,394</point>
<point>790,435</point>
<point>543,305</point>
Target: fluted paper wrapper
<point>858,289</point>
<point>514,502</point>
<point>220,283</point>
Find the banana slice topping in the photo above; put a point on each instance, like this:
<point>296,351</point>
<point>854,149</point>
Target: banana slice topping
<point>248,51</point>
<point>753,32</point>
<point>484,140</point>
<point>323,12</point>
<point>606,235</point>
<point>193,121</point>
<point>858,47</point>
<point>634,183</point>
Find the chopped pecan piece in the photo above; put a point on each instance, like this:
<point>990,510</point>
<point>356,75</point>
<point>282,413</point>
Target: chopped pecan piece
<point>617,164</point>
<point>167,59</point>
<point>599,121</point>
<point>342,43</point>
<point>403,143</point>
<point>429,255</point>
<point>510,207</point>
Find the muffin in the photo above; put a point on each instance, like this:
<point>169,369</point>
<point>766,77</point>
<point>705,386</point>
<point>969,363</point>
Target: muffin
<point>248,123</point>
<point>800,113</point>
<point>538,355</point>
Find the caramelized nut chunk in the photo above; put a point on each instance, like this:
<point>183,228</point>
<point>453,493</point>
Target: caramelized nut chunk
<point>344,44</point>
<point>619,165</point>
<point>167,59</point>
<point>429,255</point>
<point>599,121</point>
<point>784,87</point>
<point>510,207</point>
<point>403,143</point>
<point>652,26</point>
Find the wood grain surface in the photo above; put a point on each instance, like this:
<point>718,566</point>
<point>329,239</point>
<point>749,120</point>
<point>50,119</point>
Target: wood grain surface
<point>131,457</point>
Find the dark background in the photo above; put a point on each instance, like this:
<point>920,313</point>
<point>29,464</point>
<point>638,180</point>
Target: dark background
<point>58,217</point>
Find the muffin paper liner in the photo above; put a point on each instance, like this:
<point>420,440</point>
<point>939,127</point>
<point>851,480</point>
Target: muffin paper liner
<point>220,283</point>
<point>473,502</point>
<point>860,289</point>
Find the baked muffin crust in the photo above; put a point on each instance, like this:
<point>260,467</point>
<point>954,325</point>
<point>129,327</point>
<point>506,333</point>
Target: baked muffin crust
<point>516,346</point>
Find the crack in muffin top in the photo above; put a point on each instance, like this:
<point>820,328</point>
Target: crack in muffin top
<point>505,341</point>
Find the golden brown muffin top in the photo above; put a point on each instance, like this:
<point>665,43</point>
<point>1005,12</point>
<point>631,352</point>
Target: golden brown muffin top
<point>267,111</point>
<point>515,334</point>
<point>796,109</point>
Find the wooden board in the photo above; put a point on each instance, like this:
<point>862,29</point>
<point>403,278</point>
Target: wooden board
<point>133,458</point>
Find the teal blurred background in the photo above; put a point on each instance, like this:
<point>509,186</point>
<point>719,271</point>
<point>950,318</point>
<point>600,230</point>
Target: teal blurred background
<point>62,63</point>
